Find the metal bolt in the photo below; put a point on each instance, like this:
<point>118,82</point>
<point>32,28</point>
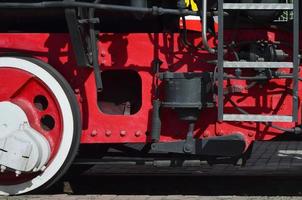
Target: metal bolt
<point>219,133</point>
<point>250,134</point>
<point>2,168</point>
<point>77,91</point>
<point>43,168</point>
<point>138,133</point>
<point>17,173</point>
<point>123,133</point>
<point>206,134</point>
<point>108,133</point>
<point>24,125</point>
<point>94,133</point>
<point>187,148</point>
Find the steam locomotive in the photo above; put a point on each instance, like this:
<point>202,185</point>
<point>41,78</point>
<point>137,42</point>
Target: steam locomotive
<point>154,79</point>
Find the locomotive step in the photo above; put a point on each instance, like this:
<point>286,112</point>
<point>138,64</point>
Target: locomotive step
<point>258,6</point>
<point>277,65</point>
<point>257,118</point>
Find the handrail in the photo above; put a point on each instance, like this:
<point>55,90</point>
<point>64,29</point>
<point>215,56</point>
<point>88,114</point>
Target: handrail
<point>204,28</point>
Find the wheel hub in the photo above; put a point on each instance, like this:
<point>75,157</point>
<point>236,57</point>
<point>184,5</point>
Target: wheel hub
<point>22,148</point>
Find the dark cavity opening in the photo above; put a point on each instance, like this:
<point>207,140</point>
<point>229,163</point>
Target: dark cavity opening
<point>41,102</point>
<point>122,93</point>
<point>47,122</point>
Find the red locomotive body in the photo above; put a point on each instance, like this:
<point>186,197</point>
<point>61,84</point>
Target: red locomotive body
<point>201,89</point>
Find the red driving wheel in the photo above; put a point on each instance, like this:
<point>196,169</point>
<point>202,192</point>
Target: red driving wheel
<point>33,87</point>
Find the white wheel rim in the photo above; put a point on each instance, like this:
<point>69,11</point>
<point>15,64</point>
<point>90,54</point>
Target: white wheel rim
<point>67,121</point>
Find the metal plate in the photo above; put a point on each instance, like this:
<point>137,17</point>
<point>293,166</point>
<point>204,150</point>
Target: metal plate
<point>257,118</point>
<point>258,6</point>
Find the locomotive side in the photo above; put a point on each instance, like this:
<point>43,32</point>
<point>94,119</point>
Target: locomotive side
<point>187,79</point>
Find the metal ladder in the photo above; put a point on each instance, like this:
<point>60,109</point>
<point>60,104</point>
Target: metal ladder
<point>222,64</point>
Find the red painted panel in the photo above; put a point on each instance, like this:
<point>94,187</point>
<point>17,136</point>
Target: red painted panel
<point>136,52</point>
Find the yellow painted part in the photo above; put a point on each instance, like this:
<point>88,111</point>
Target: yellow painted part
<point>191,4</point>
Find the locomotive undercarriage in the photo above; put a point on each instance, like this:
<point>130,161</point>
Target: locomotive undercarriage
<point>200,91</point>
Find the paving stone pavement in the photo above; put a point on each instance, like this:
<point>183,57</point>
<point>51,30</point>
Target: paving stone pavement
<point>146,197</point>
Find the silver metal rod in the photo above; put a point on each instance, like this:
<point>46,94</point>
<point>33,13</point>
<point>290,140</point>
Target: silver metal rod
<point>204,28</point>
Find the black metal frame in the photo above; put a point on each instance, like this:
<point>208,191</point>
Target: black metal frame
<point>76,37</point>
<point>84,40</point>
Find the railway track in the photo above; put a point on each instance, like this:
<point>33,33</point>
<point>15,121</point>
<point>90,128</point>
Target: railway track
<point>267,175</point>
<point>172,188</point>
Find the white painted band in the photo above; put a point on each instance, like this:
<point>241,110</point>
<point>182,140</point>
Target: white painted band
<point>67,119</point>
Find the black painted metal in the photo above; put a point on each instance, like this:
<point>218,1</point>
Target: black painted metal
<point>99,6</point>
<point>220,59</point>
<point>296,61</point>
<point>185,90</point>
<point>156,121</point>
<point>187,93</point>
<point>94,49</point>
<point>225,146</point>
<point>76,37</point>
<point>84,40</point>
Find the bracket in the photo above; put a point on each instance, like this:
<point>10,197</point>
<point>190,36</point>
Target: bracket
<point>84,39</point>
<point>224,146</point>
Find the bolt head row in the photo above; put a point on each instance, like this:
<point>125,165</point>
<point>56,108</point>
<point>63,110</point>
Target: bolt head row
<point>123,133</point>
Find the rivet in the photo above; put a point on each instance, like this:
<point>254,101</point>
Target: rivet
<point>94,133</point>
<point>123,133</point>
<point>138,133</point>
<point>206,134</point>
<point>250,134</point>
<point>2,168</point>
<point>219,133</point>
<point>108,133</point>
<point>77,91</point>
